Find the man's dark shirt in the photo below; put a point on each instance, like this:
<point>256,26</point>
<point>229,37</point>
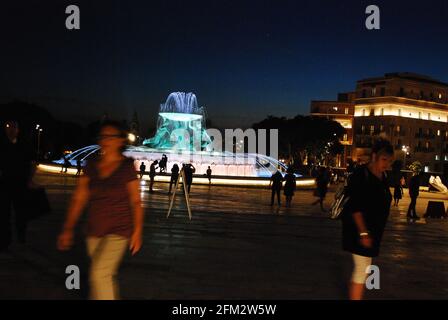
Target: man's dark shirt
<point>15,164</point>
<point>277,180</point>
<point>414,186</point>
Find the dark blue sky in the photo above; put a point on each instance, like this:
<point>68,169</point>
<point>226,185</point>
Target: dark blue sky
<point>243,59</point>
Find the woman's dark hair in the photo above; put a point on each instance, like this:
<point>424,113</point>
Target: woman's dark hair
<point>383,146</point>
<point>120,128</point>
<point>114,124</point>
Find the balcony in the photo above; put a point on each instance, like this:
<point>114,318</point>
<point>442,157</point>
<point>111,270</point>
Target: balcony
<point>424,149</point>
<point>364,145</point>
<point>425,136</point>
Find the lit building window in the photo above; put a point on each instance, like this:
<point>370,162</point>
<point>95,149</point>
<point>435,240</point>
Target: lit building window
<point>438,133</point>
<point>372,129</point>
<point>426,168</point>
<point>363,112</point>
<point>437,157</point>
<point>429,116</point>
<point>420,115</point>
<point>446,158</point>
<point>440,96</point>
<point>427,144</point>
<point>381,128</point>
<point>335,108</point>
<point>398,128</point>
<point>363,128</point>
<point>382,111</point>
<point>399,112</point>
<point>345,137</point>
<point>373,91</point>
<point>346,110</point>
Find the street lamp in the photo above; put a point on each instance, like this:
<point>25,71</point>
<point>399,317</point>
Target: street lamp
<point>132,137</point>
<point>39,130</point>
<point>405,150</point>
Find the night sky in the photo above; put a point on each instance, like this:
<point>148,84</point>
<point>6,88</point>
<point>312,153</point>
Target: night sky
<point>243,59</point>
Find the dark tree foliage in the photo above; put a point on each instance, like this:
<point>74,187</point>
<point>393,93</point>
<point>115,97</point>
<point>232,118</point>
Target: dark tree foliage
<point>315,138</point>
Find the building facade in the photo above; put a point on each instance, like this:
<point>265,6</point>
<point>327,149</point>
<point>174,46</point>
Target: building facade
<point>342,111</point>
<point>410,110</point>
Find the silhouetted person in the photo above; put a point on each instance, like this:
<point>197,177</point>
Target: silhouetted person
<point>398,191</point>
<point>209,175</point>
<point>65,164</point>
<point>142,170</point>
<point>350,166</point>
<point>174,176</point>
<point>276,186</point>
<point>163,162</point>
<point>322,180</point>
<point>78,167</point>
<point>16,172</point>
<point>414,187</point>
<point>290,186</point>
<point>152,174</point>
<point>189,169</point>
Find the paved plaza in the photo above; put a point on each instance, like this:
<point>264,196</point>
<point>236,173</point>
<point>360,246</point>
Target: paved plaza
<point>235,247</point>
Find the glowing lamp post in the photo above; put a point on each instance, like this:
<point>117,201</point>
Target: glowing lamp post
<point>132,138</point>
<point>39,131</point>
<point>405,150</point>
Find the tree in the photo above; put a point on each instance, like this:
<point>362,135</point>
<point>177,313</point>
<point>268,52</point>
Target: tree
<point>416,167</point>
<point>305,137</point>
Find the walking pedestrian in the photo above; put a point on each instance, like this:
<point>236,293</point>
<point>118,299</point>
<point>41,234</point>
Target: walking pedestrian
<point>414,191</point>
<point>189,169</point>
<point>398,191</point>
<point>16,172</point>
<point>142,169</point>
<point>290,186</point>
<point>110,189</point>
<point>322,180</point>
<point>78,167</point>
<point>209,175</point>
<point>174,176</point>
<point>163,162</point>
<point>366,213</point>
<point>276,186</point>
<point>152,174</point>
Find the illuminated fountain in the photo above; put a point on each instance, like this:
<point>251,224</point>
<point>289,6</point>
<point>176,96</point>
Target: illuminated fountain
<point>181,135</point>
<point>180,115</point>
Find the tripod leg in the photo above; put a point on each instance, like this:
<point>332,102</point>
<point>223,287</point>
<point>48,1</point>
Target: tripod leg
<point>187,196</point>
<point>173,196</point>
